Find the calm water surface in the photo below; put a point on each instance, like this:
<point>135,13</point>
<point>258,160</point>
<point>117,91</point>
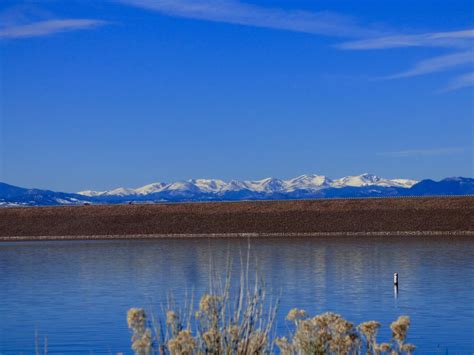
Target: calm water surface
<point>77,293</point>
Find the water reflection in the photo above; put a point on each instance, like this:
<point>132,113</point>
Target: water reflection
<point>78,292</point>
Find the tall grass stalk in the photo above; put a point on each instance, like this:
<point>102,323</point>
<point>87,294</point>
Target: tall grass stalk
<point>225,321</point>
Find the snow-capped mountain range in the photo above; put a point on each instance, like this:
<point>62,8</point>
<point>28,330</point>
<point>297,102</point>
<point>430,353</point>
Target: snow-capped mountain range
<point>301,187</point>
<point>309,183</point>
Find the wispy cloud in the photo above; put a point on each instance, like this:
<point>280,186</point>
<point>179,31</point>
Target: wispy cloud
<point>437,64</point>
<point>460,82</point>
<point>423,152</point>
<point>456,39</point>
<point>236,12</point>
<point>329,24</point>
<point>44,28</point>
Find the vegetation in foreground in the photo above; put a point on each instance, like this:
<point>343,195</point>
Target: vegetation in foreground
<point>244,324</point>
<point>327,333</point>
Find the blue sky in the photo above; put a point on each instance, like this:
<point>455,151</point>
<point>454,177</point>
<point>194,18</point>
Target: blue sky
<point>100,94</point>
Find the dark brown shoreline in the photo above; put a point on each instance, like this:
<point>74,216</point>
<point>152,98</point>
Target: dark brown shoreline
<point>351,217</point>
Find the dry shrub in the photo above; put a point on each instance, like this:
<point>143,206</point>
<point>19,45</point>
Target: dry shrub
<point>247,332</point>
<point>329,333</point>
<point>141,338</point>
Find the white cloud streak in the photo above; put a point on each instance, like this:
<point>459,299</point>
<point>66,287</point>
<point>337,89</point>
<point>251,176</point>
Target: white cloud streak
<point>423,152</point>
<point>326,24</point>
<point>460,82</point>
<point>236,12</point>
<point>456,39</point>
<point>437,64</point>
<point>45,28</point>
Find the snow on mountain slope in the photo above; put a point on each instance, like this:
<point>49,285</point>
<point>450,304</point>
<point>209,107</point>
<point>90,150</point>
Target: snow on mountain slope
<point>209,185</point>
<point>235,185</point>
<point>150,189</point>
<point>310,182</point>
<point>371,180</point>
<point>406,183</point>
<point>357,181</point>
<point>187,186</point>
<point>121,191</point>
<point>91,193</point>
<point>266,185</point>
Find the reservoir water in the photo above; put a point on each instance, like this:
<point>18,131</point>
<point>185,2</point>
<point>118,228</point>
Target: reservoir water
<point>76,294</point>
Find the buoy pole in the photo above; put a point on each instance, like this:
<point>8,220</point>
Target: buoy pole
<point>395,285</point>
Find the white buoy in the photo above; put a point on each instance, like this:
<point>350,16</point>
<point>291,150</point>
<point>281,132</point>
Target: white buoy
<point>395,279</point>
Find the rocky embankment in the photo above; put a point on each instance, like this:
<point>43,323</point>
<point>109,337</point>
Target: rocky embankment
<point>385,216</point>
